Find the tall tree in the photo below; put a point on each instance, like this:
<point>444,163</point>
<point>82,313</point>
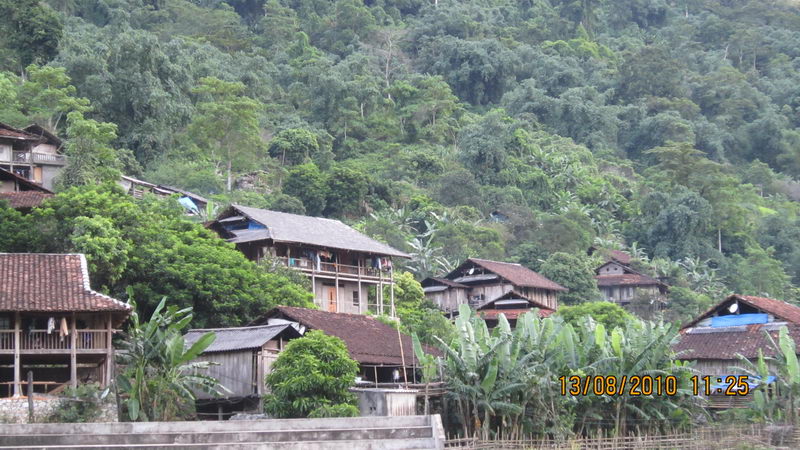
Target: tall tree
<point>226,126</point>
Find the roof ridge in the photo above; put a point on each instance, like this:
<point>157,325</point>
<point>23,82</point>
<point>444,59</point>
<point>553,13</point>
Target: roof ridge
<point>253,327</point>
<point>236,205</point>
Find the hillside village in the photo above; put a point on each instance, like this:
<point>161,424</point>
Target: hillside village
<point>358,224</point>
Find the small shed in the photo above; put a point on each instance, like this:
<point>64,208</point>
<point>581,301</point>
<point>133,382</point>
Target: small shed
<point>243,357</point>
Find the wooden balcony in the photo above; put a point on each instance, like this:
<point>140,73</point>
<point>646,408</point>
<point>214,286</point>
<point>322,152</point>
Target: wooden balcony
<point>335,270</point>
<point>33,342</point>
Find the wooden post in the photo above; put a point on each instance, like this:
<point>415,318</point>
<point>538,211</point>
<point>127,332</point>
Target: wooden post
<point>73,357</point>
<point>30,396</point>
<point>109,349</point>
<point>336,286</point>
<point>360,300</point>
<point>391,289</point>
<point>17,363</point>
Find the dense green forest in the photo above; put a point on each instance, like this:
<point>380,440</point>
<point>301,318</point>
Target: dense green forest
<point>526,130</point>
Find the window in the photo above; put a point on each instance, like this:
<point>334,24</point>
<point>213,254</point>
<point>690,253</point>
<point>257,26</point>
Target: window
<point>356,300</point>
<point>5,322</point>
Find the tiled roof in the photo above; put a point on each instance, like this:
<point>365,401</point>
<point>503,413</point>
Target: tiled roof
<point>37,282</point>
<point>511,314</point>
<point>781,310</point>
<point>24,199</point>
<point>489,310</point>
<point>627,279</point>
<point>620,256</point>
<point>243,338</point>
<point>368,340</point>
<point>518,274</point>
<point>9,132</point>
<point>727,344</point>
<point>317,231</point>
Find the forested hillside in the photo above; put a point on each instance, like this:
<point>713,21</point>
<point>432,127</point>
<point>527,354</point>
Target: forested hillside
<point>525,130</point>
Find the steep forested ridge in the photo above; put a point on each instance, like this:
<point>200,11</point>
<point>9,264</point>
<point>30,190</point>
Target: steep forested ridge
<point>518,130</point>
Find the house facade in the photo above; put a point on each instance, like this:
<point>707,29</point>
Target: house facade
<point>53,324</point>
<point>738,325</point>
<point>348,270</point>
<point>482,284</point>
<point>34,154</point>
<point>619,283</point>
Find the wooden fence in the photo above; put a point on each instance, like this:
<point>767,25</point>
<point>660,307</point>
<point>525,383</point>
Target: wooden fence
<point>744,436</point>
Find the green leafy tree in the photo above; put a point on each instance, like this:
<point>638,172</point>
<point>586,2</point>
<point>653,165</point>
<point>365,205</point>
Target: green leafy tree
<point>311,378</point>
<point>308,184</point>
<point>91,160</point>
<point>347,191</point>
<point>31,29</point>
<point>609,314</point>
<point>293,146</point>
<point>46,96</point>
<point>574,273</point>
<point>226,126</point>
<point>159,376</point>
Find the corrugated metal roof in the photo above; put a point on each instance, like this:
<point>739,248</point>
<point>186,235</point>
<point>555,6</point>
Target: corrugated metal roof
<point>242,338</point>
<point>319,231</point>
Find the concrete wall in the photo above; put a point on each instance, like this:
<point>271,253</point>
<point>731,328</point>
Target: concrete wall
<point>386,402</point>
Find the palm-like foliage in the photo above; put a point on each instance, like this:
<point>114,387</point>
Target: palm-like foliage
<point>784,365</point>
<point>159,376</point>
<point>508,382</point>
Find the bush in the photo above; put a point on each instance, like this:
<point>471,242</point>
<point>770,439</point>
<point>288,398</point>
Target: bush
<point>79,405</point>
<point>311,378</point>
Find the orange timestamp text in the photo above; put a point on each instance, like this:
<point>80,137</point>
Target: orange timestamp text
<point>611,385</point>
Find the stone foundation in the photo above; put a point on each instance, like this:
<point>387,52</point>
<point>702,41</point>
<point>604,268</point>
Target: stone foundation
<point>15,409</point>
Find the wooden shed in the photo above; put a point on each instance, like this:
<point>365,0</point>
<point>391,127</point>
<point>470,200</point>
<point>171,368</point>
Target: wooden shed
<point>243,357</point>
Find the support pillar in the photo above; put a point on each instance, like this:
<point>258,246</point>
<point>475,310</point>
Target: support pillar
<point>109,349</point>
<point>391,290</point>
<point>17,362</point>
<point>360,299</point>
<point>73,356</point>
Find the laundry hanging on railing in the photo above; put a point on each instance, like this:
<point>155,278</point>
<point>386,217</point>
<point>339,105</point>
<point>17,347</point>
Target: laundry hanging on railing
<point>51,325</point>
<point>64,329</point>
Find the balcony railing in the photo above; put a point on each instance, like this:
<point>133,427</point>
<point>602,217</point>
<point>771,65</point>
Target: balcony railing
<point>309,266</point>
<point>48,158</point>
<point>42,340</point>
<point>38,158</point>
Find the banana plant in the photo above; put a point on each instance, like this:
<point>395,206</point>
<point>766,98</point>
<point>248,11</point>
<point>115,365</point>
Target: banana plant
<point>160,376</point>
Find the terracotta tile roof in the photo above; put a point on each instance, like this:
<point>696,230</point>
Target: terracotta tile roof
<point>627,279</point>
<point>24,199</point>
<point>9,132</point>
<point>37,282</point>
<point>781,310</point>
<point>694,345</point>
<point>511,314</point>
<point>620,256</point>
<point>517,274</point>
<point>368,340</point>
<point>490,310</point>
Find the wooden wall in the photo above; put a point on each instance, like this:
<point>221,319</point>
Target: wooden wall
<point>235,372</point>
